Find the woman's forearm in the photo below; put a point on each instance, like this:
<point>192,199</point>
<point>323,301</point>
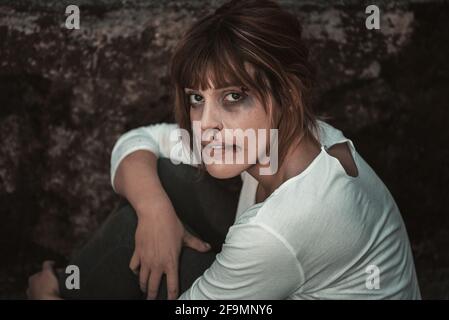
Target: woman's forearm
<point>137,180</point>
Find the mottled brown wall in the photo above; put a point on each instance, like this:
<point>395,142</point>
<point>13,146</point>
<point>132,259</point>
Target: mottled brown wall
<point>66,96</point>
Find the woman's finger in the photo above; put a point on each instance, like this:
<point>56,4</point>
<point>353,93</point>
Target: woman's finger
<point>134,263</point>
<point>153,283</point>
<point>172,282</point>
<point>195,242</point>
<point>143,278</point>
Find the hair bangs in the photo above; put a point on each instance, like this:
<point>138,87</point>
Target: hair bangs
<point>218,64</point>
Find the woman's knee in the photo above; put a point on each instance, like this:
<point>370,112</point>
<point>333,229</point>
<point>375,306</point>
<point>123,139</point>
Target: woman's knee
<point>117,230</point>
<point>121,226</point>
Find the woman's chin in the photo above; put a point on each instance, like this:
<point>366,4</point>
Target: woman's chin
<point>225,171</point>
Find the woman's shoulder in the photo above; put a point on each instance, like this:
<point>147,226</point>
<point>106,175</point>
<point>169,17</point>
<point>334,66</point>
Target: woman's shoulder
<point>329,135</point>
<point>313,198</point>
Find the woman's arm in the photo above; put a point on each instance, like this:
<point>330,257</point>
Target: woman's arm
<point>159,139</point>
<point>160,234</point>
<point>256,263</point>
<point>136,179</point>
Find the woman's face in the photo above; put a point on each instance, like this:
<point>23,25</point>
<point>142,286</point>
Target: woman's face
<point>234,115</point>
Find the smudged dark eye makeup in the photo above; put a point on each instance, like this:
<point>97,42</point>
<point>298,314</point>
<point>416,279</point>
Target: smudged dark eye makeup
<point>230,97</point>
<point>234,97</point>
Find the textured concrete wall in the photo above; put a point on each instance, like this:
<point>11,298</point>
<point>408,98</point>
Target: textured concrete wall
<point>66,96</point>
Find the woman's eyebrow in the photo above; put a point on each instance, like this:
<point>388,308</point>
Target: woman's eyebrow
<point>217,89</point>
<point>229,87</point>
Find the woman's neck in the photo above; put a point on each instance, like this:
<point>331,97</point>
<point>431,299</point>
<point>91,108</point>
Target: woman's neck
<point>298,158</point>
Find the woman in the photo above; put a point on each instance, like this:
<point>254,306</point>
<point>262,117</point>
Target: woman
<point>319,225</point>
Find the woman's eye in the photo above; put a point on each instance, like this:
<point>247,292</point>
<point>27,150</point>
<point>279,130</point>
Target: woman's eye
<point>195,99</point>
<point>233,97</point>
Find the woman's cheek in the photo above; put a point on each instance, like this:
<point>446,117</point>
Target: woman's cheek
<point>195,114</point>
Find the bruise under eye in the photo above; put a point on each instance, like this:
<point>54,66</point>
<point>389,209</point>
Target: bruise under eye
<point>238,95</point>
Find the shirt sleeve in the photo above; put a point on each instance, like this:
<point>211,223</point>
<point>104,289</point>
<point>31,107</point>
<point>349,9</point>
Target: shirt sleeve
<point>255,263</point>
<point>162,139</point>
<point>328,135</point>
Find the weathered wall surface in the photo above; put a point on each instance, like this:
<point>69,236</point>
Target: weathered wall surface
<point>66,96</point>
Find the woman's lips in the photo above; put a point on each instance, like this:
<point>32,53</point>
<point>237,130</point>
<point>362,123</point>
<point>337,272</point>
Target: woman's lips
<point>217,145</point>
<point>220,147</point>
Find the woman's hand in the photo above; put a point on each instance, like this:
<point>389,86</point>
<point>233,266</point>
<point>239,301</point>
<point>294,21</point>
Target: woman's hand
<point>160,234</point>
<point>158,241</point>
<point>44,284</point>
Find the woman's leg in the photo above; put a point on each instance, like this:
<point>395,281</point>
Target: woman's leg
<point>205,206</point>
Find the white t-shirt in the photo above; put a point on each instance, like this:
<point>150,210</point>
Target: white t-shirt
<point>320,235</point>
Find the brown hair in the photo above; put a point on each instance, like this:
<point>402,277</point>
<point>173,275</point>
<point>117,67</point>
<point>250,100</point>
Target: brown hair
<point>255,32</point>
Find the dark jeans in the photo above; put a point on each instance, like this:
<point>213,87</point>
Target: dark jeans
<point>204,204</point>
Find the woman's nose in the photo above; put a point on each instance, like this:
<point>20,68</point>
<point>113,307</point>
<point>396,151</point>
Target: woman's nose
<point>210,119</point>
